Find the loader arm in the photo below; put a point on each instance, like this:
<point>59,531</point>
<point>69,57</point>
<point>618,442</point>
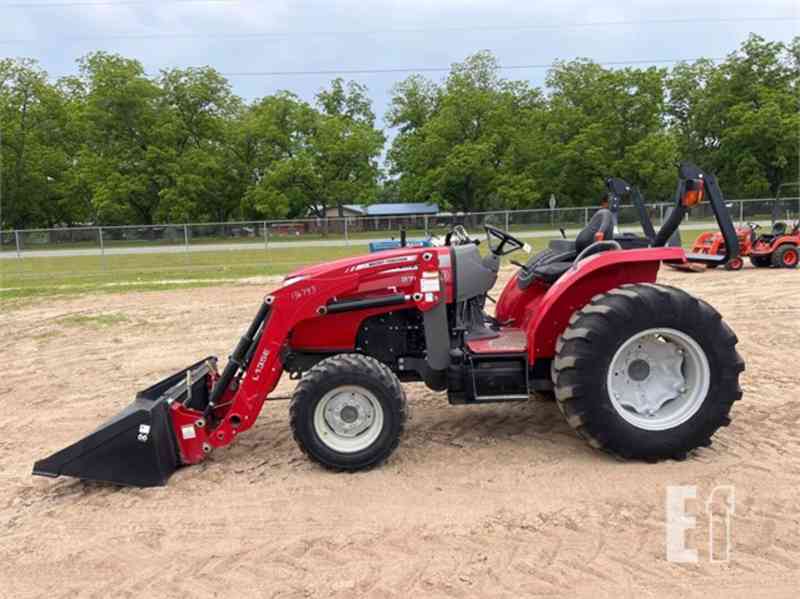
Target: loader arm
<point>236,401</point>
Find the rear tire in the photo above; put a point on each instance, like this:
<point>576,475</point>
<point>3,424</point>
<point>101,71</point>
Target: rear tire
<point>684,348</point>
<point>348,412</point>
<point>761,261</point>
<point>786,256</point>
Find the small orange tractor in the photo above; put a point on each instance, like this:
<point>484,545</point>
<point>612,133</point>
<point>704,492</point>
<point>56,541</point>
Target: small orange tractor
<point>712,243</point>
<point>779,248</point>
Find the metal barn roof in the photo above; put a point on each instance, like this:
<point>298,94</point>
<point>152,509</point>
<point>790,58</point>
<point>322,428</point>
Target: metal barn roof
<point>394,209</point>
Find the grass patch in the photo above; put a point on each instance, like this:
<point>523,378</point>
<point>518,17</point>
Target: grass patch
<point>94,320</point>
<point>31,277</point>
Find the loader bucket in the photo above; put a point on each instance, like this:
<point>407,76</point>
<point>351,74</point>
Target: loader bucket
<point>137,447</point>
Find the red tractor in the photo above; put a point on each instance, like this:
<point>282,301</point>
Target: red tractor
<point>642,370</point>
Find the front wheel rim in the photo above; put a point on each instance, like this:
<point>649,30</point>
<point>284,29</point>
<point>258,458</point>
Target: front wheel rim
<point>348,419</point>
<point>658,379</point>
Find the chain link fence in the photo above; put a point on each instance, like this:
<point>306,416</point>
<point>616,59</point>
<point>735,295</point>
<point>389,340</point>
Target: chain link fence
<point>346,231</point>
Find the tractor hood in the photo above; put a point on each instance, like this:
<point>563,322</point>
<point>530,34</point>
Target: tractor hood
<point>336,267</point>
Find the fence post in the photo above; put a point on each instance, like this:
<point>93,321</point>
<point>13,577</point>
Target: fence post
<point>16,240</point>
<point>186,237</point>
<point>507,229</point>
<point>585,216</point>
<point>741,212</point>
<point>100,237</point>
<point>266,235</point>
<point>346,237</point>
<point>426,225</point>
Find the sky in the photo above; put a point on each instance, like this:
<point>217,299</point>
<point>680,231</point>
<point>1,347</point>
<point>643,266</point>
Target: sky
<point>245,36</point>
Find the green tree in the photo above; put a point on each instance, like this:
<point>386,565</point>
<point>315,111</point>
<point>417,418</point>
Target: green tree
<point>604,122</point>
<point>33,153</point>
<point>198,113</point>
<point>465,144</point>
<point>309,159</point>
<point>740,118</point>
<point>124,160</point>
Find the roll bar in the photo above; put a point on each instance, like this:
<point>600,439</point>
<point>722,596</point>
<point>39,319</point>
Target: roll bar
<point>691,179</point>
<point>617,189</point>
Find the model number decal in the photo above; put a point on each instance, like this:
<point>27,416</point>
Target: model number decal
<point>299,294</point>
<point>262,360</point>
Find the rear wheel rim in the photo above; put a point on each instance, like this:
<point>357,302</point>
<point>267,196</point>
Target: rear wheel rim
<point>658,379</point>
<point>348,419</point>
<point>790,258</point>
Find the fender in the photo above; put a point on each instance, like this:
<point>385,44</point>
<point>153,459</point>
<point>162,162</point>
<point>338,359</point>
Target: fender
<point>767,248</point>
<point>576,287</point>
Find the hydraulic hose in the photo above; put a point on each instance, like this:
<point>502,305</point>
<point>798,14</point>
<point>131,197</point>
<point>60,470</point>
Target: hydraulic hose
<point>238,359</point>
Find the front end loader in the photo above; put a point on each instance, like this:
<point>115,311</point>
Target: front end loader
<point>638,369</point>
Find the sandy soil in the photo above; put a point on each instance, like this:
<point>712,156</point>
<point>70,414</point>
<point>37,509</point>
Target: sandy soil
<point>495,500</point>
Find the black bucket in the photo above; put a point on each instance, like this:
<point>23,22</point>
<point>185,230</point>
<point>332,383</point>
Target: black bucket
<point>137,447</point>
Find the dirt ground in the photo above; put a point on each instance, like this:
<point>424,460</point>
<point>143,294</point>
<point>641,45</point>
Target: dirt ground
<point>495,500</point>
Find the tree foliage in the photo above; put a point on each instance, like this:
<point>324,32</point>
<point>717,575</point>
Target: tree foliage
<point>113,145</point>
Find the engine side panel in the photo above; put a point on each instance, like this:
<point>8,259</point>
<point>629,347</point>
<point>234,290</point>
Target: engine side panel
<point>381,273</point>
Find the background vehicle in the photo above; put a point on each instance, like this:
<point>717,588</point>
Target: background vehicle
<point>779,248</point>
<point>712,243</point>
<point>642,370</point>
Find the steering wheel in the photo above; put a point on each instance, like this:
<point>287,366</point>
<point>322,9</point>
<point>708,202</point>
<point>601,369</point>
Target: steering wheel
<point>754,227</point>
<point>461,235</point>
<point>504,239</point>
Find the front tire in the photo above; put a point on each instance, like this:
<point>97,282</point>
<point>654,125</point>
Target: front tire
<point>348,412</point>
<point>647,372</point>
<point>735,264</point>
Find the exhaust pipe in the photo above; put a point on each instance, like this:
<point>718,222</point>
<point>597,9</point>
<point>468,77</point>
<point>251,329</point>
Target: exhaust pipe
<point>137,447</point>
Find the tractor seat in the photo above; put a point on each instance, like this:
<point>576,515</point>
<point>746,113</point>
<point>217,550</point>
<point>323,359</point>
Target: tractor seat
<point>548,265</point>
<point>778,230</point>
